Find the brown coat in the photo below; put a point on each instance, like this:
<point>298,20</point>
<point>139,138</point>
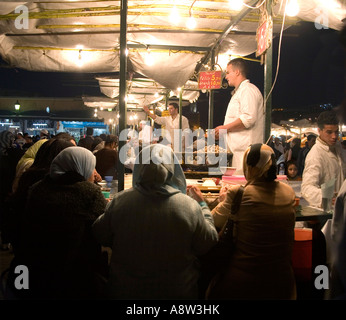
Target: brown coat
<point>261,264</point>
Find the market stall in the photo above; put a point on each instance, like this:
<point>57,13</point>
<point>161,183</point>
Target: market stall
<point>168,42</point>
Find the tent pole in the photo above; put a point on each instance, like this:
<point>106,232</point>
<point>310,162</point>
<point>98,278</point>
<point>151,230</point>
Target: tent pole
<point>180,118</point>
<point>122,90</point>
<point>268,80</point>
<point>211,96</point>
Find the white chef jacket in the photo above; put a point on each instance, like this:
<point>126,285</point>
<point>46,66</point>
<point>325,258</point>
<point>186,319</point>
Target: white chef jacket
<point>322,165</point>
<point>171,124</point>
<point>146,135</point>
<point>246,104</point>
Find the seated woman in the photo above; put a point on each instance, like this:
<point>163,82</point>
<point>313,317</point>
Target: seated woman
<point>155,231</point>
<point>26,161</point>
<point>55,241</point>
<point>260,267</point>
<point>37,171</point>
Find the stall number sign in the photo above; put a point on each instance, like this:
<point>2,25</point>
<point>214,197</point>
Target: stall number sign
<point>262,39</point>
<point>210,80</point>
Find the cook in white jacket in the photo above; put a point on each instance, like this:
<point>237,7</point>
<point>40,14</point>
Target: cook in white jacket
<point>244,119</point>
<point>324,161</point>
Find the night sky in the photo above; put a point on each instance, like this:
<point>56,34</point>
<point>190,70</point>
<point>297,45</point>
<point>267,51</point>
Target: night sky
<point>312,72</point>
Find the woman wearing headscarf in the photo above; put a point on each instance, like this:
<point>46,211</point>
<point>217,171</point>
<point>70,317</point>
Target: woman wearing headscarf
<point>37,171</point>
<point>155,232</point>
<point>55,241</point>
<point>260,267</point>
<point>26,161</point>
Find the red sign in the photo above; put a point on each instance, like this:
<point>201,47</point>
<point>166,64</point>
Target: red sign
<point>210,80</point>
<point>262,39</point>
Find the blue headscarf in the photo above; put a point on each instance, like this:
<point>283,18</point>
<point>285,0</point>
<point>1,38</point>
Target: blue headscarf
<point>157,172</point>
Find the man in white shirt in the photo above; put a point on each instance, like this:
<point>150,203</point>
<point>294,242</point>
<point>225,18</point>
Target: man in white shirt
<point>171,122</point>
<point>244,119</point>
<point>145,133</point>
<point>324,161</point>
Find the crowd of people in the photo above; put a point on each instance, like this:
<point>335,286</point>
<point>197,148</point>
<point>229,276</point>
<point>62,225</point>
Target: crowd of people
<point>158,231</point>
<point>290,155</point>
<point>59,223</point>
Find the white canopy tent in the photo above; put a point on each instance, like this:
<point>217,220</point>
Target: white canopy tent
<point>84,35</point>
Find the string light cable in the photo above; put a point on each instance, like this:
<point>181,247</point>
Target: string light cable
<point>190,10</point>
<point>279,56</point>
<point>256,7</point>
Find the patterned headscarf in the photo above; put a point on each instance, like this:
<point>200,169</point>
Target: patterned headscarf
<point>6,141</point>
<point>257,164</point>
<point>157,172</point>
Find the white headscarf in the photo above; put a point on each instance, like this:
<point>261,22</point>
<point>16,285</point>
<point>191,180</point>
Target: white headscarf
<point>73,159</point>
<point>157,172</point>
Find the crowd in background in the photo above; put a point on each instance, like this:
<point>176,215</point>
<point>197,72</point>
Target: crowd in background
<point>290,154</point>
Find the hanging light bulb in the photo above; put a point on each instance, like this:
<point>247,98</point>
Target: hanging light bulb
<point>79,61</point>
<point>174,16</point>
<point>149,59</point>
<point>292,8</point>
<point>236,4</point>
<point>191,22</point>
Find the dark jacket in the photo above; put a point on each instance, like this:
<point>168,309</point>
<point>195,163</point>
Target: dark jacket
<point>56,243</point>
<point>106,162</point>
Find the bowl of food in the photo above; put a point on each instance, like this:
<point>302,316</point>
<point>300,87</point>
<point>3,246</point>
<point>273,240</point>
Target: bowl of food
<point>228,171</point>
<point>102,184</point>
<point>208,182</point>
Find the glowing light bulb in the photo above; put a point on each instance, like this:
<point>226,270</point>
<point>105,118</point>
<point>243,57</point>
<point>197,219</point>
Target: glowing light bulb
<point>292,8</point>
<point>174,17</point>
<point>191,23</point>
<point>149,59</point>
<point>236,4</point>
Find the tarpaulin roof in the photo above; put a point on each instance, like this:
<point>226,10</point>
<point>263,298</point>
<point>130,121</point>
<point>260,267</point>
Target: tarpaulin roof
<point>84,36</point>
